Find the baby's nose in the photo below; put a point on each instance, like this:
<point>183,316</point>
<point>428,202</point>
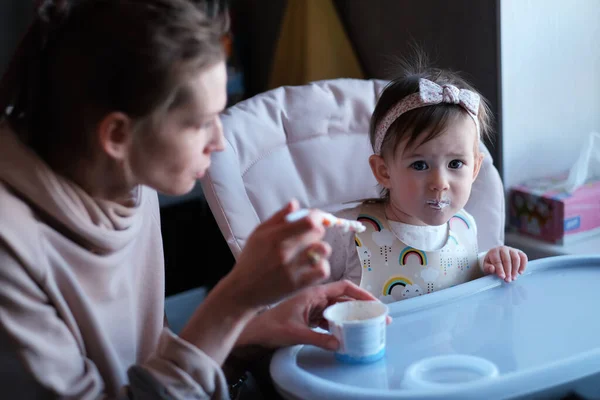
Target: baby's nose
<point>438,181</point>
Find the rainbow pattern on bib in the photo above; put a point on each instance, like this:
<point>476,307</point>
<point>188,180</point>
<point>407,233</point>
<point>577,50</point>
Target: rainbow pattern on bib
<point>453,239</point>
<point>367,220</point>
<point>393,282</point>
<point>408,251</point>
<point>457,218</point>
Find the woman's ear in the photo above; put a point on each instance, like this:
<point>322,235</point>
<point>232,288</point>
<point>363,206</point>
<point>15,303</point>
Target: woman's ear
<point>380,170</point>
<point>115,134</point>
<point>477,167</point>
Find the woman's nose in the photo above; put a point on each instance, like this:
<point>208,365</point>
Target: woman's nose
<point>218,141</point>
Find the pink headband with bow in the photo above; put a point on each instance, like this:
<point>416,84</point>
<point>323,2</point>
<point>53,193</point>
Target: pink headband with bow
<point>430,93</point>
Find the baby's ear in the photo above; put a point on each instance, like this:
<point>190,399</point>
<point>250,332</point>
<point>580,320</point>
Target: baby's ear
<point>380,170</point>
<point>478,162</point>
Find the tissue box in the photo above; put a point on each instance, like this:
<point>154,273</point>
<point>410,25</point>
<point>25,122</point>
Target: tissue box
<point>535,209</point>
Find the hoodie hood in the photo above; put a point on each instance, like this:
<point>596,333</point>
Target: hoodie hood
<point>107,226</point>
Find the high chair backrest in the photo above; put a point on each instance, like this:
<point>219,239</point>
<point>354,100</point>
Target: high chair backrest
<point>310,142</point>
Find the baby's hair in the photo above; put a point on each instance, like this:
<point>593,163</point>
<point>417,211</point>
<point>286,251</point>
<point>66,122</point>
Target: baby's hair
<point>433,118</point>
<point>82,59</point>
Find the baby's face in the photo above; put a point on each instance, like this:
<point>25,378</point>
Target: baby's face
<point>430,182</point>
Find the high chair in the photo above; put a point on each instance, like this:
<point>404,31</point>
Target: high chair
<point>480,339</point>
<point>310,142</point>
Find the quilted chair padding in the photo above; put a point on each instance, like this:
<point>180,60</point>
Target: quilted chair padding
<point>310,142</point>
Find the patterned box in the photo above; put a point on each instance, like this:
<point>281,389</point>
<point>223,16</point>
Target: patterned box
<point>538,210</point>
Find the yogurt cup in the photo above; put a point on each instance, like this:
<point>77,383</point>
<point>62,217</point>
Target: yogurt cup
<point>360,328</point>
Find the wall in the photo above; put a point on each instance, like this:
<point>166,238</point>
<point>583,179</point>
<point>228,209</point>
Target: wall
<point>550,96</point>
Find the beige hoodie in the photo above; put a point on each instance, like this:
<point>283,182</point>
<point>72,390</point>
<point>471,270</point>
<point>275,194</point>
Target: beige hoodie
<point>82,293</point>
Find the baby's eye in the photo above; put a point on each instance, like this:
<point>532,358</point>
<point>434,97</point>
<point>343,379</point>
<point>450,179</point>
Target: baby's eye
<point>455,164</point>
<point>419,165</point>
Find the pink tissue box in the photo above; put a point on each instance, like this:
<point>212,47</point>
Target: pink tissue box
<point>555,216</point>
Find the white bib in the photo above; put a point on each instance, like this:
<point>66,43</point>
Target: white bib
<point>392,270</point>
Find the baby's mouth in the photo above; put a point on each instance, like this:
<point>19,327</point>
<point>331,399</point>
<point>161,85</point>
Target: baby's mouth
<point>438,204</point>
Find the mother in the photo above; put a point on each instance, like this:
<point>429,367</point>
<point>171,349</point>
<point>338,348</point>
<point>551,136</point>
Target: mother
<point>105,102</point>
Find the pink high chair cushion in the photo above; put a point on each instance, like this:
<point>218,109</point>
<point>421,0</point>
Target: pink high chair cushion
<point>311,143</point>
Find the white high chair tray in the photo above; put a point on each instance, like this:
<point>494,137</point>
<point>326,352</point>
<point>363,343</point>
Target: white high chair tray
<point>541,332</point>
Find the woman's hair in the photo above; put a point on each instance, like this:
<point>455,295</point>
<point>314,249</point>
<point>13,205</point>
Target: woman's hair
<point>432,118</point>
<point>82,59</point>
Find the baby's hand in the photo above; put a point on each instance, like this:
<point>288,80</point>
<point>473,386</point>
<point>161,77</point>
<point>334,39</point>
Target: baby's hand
<point>507,263</point>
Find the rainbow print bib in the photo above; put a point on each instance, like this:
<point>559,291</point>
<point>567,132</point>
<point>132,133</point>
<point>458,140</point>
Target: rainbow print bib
<point>392,270</point>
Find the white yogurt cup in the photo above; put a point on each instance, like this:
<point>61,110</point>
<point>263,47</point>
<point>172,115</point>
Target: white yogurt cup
<point>360,328</point>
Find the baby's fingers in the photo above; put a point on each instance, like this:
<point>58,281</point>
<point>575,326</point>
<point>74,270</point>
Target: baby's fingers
<point>497,270</point>
<point>506,264</point>
<point>516,262</point>
<point>524,260</point>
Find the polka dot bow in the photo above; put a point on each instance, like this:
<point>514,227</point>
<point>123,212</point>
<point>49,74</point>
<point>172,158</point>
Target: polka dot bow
<point>430,93</point>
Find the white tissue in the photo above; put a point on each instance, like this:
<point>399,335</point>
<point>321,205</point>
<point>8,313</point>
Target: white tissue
<point>586,168</point>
